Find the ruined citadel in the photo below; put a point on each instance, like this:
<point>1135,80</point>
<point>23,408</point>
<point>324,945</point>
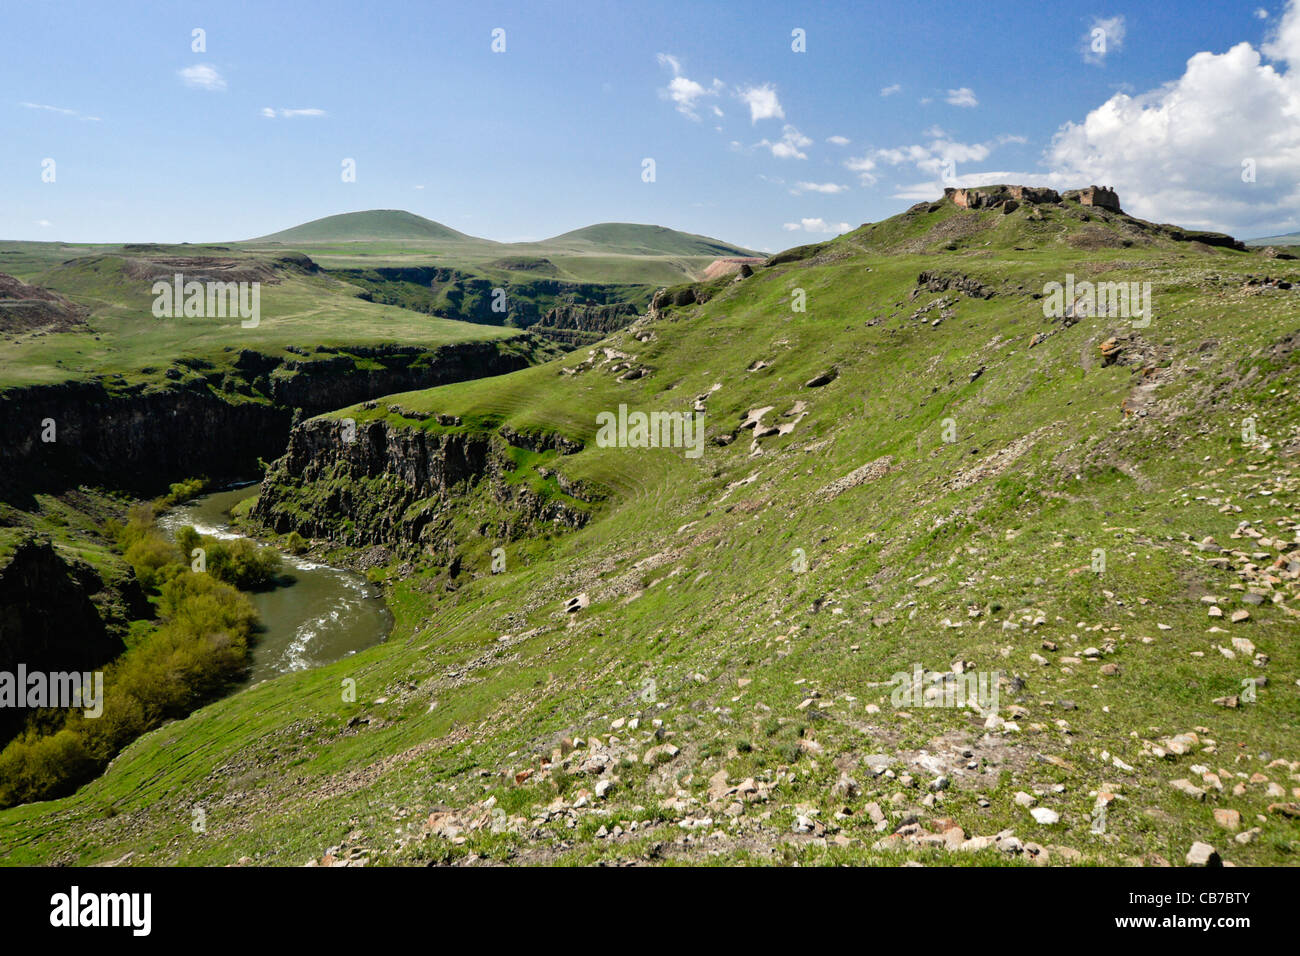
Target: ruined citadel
<point>1009,198</point>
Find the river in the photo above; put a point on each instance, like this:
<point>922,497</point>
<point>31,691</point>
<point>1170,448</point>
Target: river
<point>326,613</point>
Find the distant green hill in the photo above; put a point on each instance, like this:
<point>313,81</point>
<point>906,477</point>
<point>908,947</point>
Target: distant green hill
<point>367,226</point>
<point>1290,239</point>
<point>637,239</point>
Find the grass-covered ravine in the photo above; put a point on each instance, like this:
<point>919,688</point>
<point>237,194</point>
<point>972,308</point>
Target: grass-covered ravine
<point>192,647</point>
<point>100,390</point>
<point>919,469</point>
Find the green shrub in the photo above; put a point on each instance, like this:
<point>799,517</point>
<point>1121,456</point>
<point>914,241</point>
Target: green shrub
<point>242,563</point>
<point>196,650</point>
<point>184,491</point>
<point>187,539</point>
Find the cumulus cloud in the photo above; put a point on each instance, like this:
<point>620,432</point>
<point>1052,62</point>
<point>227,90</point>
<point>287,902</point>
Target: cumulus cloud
<point>270,113</point>
<point>1181,152</point>
<point>937,157</point>
<point>1104,37</point>
<point>962,97</point>
<point>762,102</point>
<point>829,189</point>
<point>1261,13</point>
<point>202,77</point>
<point>891,89</point>
<point>863,166</point>
<point>684,92</point>
<point>838,140</point>
<point>789,146</point>
<point>816,225</point>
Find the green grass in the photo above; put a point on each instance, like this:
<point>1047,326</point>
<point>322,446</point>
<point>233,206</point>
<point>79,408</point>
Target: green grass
<point>302,318</point>
<point>691,586</point>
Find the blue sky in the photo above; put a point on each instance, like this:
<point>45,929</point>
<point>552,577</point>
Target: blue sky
<point>153,141</point>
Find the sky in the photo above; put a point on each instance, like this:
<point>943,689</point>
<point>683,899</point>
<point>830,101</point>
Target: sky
<point>764,124</point>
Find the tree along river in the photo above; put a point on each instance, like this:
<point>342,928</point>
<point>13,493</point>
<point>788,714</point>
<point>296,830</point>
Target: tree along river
<point>326,613</point>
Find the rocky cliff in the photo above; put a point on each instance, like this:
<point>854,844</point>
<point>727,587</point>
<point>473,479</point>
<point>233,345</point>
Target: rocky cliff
<point>530,294</point>
<point>407,487</point>
<point>209,421</point>
<point>48,620</point>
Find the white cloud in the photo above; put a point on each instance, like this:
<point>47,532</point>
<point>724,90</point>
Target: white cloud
<point>936,158</point>
<point>1175,153</point>
<point>891,89</point>
<point>962,97</point>
<point>816,225</point>
<point>44,223</point>
<point>829,189</point>
<point>685,92</point>
<point>270,113</point>
<point>60,110</point>
<point>838,140</point>
<point>762,102</point>
<point>1104,37</point>
<point>863,166</point>
<point>202,77</point>
<point>1283,43</point>
<point>790,146</point>
<point>1261,13</point>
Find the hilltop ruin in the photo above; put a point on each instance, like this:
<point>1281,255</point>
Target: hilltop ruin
<point>1009,198</point>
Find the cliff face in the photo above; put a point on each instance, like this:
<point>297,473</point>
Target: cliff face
<point>140,438</point>
<point>407,487</point>
<point>48,620</point>
<point>589,318</point>
<point>529,295</point>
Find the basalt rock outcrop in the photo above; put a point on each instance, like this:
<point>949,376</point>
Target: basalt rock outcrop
<point>207,421</point>
<point>588,317</point>
<point>48,620</point>
<point>929,281</point>
<point>529,295</point>
<point>404,487</point>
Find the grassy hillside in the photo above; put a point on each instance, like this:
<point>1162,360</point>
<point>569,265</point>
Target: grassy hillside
<point>1290,239</point>
<point>698,667</point>
<point>303,312</point>
<point>393,225</point>
<point>614,254</point>
<point>637,239</point>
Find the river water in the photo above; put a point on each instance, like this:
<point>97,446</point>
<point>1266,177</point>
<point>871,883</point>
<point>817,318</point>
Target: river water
<point>325,614</point>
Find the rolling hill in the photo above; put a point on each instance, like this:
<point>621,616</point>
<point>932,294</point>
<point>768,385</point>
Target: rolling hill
<point>1289,239</point>
<point>630,238</point>
<point>372,225</point>
<point>913,475</point>
<point>399,258</point>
